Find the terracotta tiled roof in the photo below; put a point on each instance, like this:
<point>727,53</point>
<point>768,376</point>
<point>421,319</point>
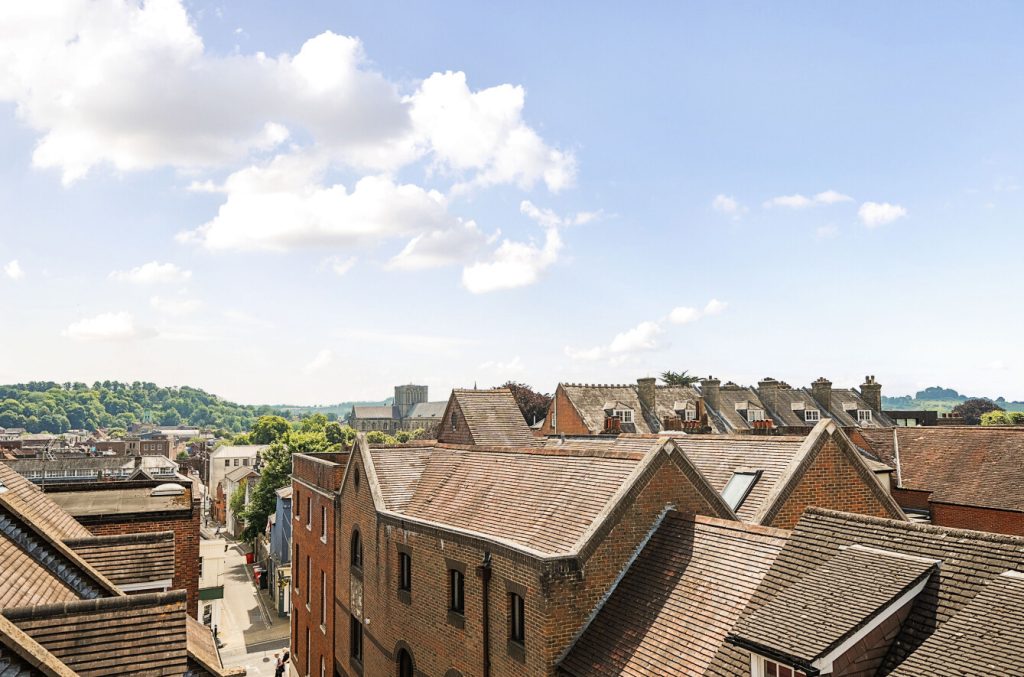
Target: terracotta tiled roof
<point>829,603</point>
<point>135,634</point>
<point>969,561</point>
<point>131,558</point>
<point>965,465</point>
<point>590,399</point>
<point>493,417</point>
<point>985,638</point>
<point>203,657</point>
<point>539,499</point>
<point>677,602</point>
<point>719,456</point>
<point>37,507</point>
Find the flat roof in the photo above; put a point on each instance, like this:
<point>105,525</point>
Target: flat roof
<point>110,502</point>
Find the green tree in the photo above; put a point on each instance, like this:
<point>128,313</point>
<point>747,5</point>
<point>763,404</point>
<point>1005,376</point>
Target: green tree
<point>237,501</point>
<point>269,429</point>
<point>313,423</point>
<point>972,410</point>
<point>183,456</point>
<point>678,378</point>
<point>533,405</point>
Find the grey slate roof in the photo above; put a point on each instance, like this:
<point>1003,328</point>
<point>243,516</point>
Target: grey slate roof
<point>985,638</point>
<point>780,404</point>
<point>970,560</point>
<point>240,473</point>
<point>374,412</point>
<point>829,603</point>
<point>428,410</point>
<point>590,399</point>
<point>726,416</point>
<point>847,400</point>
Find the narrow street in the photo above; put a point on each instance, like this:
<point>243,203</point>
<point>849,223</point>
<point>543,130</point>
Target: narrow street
<point>250,629</point>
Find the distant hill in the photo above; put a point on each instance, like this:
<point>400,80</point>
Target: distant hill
<point>937,398</point>
<point>45,406</point>
<point>340,410</point>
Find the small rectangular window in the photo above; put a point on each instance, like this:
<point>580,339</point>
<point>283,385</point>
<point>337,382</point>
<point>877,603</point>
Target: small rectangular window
<point>864,415</point>
<point>323,599</point>
<point>309,577</point>
<point>404,572</point>
<point>516,615</point>
<point>624,415</point>
<point>355,639</point>
<point>456,591</point>
<point>323,523</point>
<point>738,487</point>
<point>811,415</point>
<point>227,462</point>
<point>309,512</point>
<point>755,415</point>
<point>236,462</point>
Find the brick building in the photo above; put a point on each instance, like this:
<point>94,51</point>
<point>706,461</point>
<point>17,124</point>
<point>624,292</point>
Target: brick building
<point>315,480</point>
<point>968,477</point>
<point>449,555</point>
<point>484,417</point>
<point>138,507</point>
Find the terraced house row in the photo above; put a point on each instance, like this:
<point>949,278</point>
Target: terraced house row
<point>493,552</point>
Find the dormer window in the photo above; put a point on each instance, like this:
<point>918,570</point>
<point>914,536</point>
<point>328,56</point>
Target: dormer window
<point>812,415</point>
<point>864,416</point>
<point>624,415</point>
<point>755,415</point>
<point>762,667</point>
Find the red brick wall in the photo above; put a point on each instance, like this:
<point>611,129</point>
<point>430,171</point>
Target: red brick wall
<point>306,581</point>
<point>186,543</point>
<point>569,420</point>
<point>461,434</point>
<point>980,519</point>
<point>912,499</point>
<point>831,481</point>
<point>558,597</point>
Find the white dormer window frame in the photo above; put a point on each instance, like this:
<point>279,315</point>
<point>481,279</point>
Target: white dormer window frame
<point>812,415</point>
<point>624,415</point>
<point>764,667</point>
<point>863,416</point>
<point>755,414</point>
<point>690,414</point>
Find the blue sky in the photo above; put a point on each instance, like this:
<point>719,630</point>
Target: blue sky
<point>310,202</point>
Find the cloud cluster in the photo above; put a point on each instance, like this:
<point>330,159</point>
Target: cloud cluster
<point>131,86</point>
<point>798,201</point>
<point>646,336</point>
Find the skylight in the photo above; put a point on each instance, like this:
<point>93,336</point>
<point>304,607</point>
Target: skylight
<point>739,487</point>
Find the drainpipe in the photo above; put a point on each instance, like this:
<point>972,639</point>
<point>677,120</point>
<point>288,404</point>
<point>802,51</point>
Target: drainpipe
<point>485,575</point>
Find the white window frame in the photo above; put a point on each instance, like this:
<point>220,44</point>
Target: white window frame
<point>812,415</point>
<point>759,666</point>
<point>624,415</point>
<point>863,416</point>
<point>754,414</point>
<point>323,523</point>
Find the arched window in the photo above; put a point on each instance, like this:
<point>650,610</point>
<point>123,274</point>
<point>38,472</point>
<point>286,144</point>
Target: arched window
<point>405,667</point>
<point>357,549</point>
<point>455,421</point>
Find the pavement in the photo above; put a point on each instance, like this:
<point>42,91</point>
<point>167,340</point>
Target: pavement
<point>250,629</point>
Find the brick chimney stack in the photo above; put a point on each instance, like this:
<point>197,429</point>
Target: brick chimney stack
<point>709,391</point>
<point>647,392</point>
<point>821,390</point>
<point>768,390</point>
<point>872,393</point>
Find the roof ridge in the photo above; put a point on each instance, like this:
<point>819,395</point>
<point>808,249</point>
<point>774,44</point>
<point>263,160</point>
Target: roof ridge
<point>151,537</point>
<point>735,525</point>
<point>99,604</point>
<point>914,526</point>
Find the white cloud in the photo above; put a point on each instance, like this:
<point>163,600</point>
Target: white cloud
<point>340,266</point>
<point>549,219</point>
<point>106,327</point>
<point>284,205</point>
<point>14,270</point>
<point>153,272</point>
<point>420,344</point>
<point>646,336</point>
<point>829,197</point>
<point>176,307</point>
<point>725,204</point>
<point>456,244</point>
<point>792,201</point>
<point>874,214</point>
<point>514,365</point>
<point>799,201</point>
<point>320,361</point>
<point>683,315</point>
<point>513,264</point>
<point>715,307</point>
